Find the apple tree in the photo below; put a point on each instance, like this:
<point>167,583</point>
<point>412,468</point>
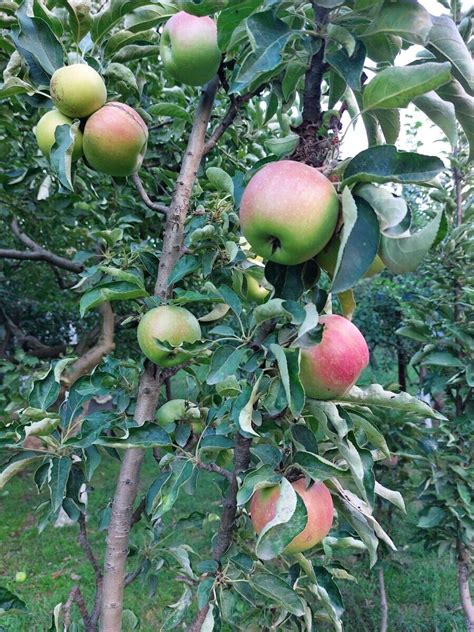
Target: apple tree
<point>211,182</point>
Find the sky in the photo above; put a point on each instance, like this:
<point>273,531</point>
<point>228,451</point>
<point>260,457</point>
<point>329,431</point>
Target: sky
<point>433,141</point>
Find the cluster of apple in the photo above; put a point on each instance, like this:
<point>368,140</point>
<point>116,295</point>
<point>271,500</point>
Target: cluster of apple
<point>289,213</point>
<point>113,136</point>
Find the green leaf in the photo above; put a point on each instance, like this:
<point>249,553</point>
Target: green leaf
<point>404,254</point>
<point>442,358</point>
<point>317,467</point>
<point>45,392</point>
<point>387,164</point>
<point>392,496</point>
<point>274,308</point>
<point>177,611</point>
<point>40,10</point>
<point>57,480</point>
<point>278,591</point>
<point>396,87</point>
<point>11,604</point>
<point>408,19</point>
<point>113,12</point>
<point>61,153</point>
<point>169,109</point>
<point>15,85</point>
<point>360,248</point>
<point>224,362</point>
<point>125,38</point>
<point>16,464</point>
<point>329,593</point>
<point>230,18</point>
<point>268,35</point>
<point>147,436</point>
<point>289,367</point>
<point>389,121</point>
<point>375,395</point>
<point>147,17</point>
<point>134,51</point>
<point>182,472</point>
<point>390,209</point>
<point>291,281</point>
<point>454,93</point>
<point>79,18</point>
<point>289,521</point>
<point>185,265</point>
<point>349,214</point>
<point>431,518</point>
<point>441,113</point>
<point>246,412</point>
<point>349,67</point>
<point>37,43</point>
<point>220,179</point>
<point>282,146</point>
<point>116,291</point>
<point>264,476</point>
<point>446,44</point>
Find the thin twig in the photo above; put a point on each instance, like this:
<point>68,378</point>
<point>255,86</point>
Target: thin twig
<point>75,596</point>
<point>37,252</point>
<point>155,206</point>
<point>212,467</point>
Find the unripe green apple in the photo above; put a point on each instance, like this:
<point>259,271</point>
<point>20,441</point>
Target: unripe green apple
<point>20,577</point>
<point>288,212</point>
<point>46,127</point>
<point>319,507</point>
<point>331,367</point>
<point>77,90</point>
<point>255,291</point>
<point>201,7</point>
<point>170,324</point>
<point>176,410</point>
<point>189,48</point>
<point>115,140</point>
<point>327,259</point>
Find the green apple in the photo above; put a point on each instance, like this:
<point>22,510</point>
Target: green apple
<point>331,367</point>
<point>319,507</point>
<point>20,577</point>
<point>169,324</point>
<point>288,212</point>
<point>115,140</point>
<point>189,50</point>
<point>77,90</point>
<point>176,410</point>
<point>46,128</point>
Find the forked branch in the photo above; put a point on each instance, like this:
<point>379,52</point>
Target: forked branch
<point>155,206</point>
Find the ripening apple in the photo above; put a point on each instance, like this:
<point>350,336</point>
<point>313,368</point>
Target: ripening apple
<point>46,128</point>
<point>319,507</point>
<point>77,90</point>
<point>331,367</point>
<point>189,50</point>
<point>176,410</point>
<point>288,212</point>
<point>115,140</point>
<point>327,259</point>
<point>170,324</point>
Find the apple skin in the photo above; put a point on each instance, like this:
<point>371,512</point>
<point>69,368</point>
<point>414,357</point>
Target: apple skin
<point>327,259</point>
<point>288,212</point>
<point>115,140</point>
<point>170,324</point>
<point>319,506</point>
<point>46,127</point>
<point>189,50</point>
<point>77,90</point>
<point>331,367</point>
<point>176,410</point>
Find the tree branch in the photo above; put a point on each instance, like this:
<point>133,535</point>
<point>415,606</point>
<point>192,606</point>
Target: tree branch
<point>37,252</point>
<point>229,118</point>
<point>224,535</point>
<point>314,75</point>
<point>75,596</point>
<point>87,548</point>
<point>155,206</point>
<point>105,344</point>
<point>212,467</point>
<point>31,344</point>
<point>152,379</point>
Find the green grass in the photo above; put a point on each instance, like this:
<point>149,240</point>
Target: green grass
<point>421,588</point>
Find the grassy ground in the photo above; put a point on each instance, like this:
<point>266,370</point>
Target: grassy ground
<point>421,588</point>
